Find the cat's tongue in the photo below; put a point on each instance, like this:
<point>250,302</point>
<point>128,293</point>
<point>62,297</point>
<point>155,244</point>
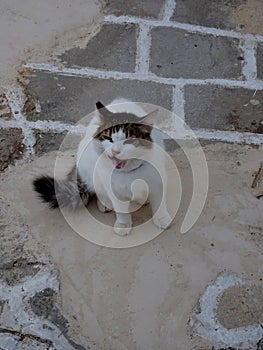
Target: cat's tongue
<point>119,164</point>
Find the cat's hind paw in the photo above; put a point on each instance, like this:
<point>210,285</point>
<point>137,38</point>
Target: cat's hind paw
<point>102,208</point>
<point>162,221</point>
<point>122,229</point>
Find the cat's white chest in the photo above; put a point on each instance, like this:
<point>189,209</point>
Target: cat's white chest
<point>132,186</point>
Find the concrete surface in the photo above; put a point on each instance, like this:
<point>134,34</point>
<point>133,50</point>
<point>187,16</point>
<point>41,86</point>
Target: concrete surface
<point>146,297</point>
<point>198,291</point>
<point>36,30</point>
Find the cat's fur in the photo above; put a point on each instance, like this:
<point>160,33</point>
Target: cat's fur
<point>120,144</point>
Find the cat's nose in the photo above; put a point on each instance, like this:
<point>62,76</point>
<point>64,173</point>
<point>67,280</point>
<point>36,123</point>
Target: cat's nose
<point>115,151</point>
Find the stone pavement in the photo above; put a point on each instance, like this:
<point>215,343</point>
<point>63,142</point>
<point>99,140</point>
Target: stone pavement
<point>162,52</point>
<point>203,60</point>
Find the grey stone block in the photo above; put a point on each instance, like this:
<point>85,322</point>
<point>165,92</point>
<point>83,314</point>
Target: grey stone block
<point>144,9</point>
<point>48,141</point>
<point>260,60</point>
<point>68,99</point>
<point>112,48</point>
<point>210,13</point>
<point>176,53</point>
<point>214,107</point>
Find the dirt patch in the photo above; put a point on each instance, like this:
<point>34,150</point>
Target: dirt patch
<point>241,306</point>
<point>11,147</point>
<point>16,272</point>
<point>30,107</point>
<point>248,17</point>
<point>236,123</point>
<point>5,111</point>
<point>44,304</point>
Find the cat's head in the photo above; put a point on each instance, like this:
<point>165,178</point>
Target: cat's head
<point>123,136</point>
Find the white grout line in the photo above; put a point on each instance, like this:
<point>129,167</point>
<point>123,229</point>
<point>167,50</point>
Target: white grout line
<point>103,74</point>
<point>178,101</point>
<point>209,327</point>
<point>48,125</point>
<point>184,26</point>
<point>206,134</point>
<point>143,49</point>
<point>9,124</point>
<point>57,127</point>
<point>220,135</point>
<point>249,48</point>
<point>43,125</point>
<point>16,100</point>
<point>29,141</point>
<point>168,10</point>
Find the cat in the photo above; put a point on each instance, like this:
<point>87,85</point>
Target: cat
<point>120,142</point>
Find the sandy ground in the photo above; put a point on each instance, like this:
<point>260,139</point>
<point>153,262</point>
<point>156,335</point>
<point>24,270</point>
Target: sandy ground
<point>38,29</point>
<point>144,297</point>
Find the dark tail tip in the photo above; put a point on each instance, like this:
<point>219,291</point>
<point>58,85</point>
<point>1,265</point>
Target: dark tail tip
<point>45,186</point>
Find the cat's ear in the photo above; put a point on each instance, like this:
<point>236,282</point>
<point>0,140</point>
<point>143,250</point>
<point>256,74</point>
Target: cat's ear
<point>148,119</point>
<point>99,105</point>
<point>103,111</point>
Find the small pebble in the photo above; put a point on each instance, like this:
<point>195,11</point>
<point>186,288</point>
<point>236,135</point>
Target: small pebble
<point>254,102</point>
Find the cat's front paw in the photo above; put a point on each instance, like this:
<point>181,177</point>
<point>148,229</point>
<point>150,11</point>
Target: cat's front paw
<point>122,229</point>
<point>162,221</point>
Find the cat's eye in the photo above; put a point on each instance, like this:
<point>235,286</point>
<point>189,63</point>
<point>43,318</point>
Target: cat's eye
<point>107,138</point>
<point>129,142</point>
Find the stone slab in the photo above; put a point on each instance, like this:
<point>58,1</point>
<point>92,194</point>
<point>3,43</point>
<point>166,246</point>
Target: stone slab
<point>112,48</point>
<point>176,53</point>
<point>214,107</point>
<point>143,9</point>
<point>210,13</point>
<point>48,141</point>
<point>68,99</point>
<point>11,147</point>
<point>260,60</point>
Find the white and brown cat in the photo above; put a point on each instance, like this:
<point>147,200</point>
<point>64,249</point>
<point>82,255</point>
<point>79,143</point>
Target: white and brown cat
<point>119,148</point>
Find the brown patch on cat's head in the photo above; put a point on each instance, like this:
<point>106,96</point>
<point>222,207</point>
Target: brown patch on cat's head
<point>132,126</point>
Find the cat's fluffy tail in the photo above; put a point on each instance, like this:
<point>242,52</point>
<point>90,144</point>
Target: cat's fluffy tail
<point>61,193</point>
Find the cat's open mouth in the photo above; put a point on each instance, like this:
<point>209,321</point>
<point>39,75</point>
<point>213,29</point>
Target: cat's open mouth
<point>118,163</point>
